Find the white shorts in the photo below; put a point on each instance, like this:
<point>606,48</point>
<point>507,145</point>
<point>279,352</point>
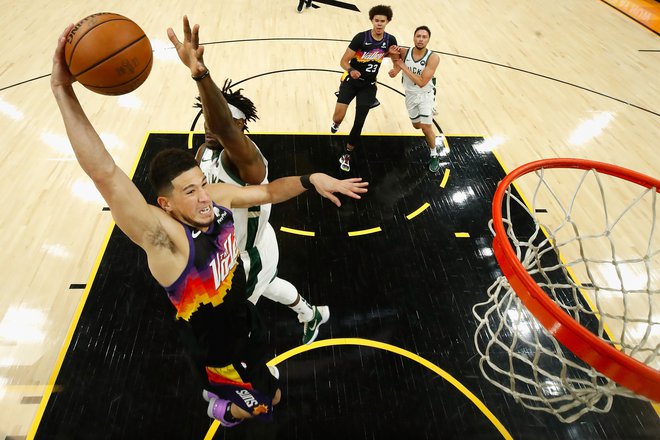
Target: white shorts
<point>261,266</point>
<point>420,107</point>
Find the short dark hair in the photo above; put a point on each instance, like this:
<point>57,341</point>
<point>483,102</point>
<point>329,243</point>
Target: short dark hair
<point>422,28</point>
<point>237,99</point>
<point>381,10</point>
<point>166,166</point>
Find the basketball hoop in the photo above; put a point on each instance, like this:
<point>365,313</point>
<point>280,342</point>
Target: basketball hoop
<point>556,343</point>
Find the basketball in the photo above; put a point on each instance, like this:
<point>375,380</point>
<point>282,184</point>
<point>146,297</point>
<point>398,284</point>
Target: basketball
<point>108,53</point>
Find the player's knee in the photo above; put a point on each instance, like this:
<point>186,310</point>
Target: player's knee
<point>277,397</point>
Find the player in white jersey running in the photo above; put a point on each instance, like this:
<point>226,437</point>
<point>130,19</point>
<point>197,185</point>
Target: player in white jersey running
<point>418,65</point>
<point>241,163</point>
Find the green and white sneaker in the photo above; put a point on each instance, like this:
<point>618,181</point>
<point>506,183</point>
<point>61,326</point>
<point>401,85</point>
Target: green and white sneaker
<point>311,328</point>
<point>434,164</point>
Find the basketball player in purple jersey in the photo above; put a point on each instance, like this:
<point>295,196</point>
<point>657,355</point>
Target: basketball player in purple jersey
<point>190,242</point>
<point>361,63</point>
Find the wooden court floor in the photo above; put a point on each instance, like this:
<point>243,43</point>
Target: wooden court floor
<point>534,79</point>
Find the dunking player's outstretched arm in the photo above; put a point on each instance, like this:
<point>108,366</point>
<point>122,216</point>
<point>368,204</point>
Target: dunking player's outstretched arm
<point>149,227</point>
<point>284,189</point>
<point>239,149</point>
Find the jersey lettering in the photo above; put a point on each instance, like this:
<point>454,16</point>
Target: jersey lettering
<point>221,264</point>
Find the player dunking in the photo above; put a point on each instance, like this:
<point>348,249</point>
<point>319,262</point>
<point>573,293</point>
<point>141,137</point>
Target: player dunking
<point>190,242</point>
<point>361,63</point>
<point>240,162</point>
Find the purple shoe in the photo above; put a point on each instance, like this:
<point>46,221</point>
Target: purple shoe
<point>217,409</point>
<point>207,395</point>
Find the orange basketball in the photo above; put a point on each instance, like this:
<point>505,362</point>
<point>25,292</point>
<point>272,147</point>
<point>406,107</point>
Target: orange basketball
<point>108,53</point>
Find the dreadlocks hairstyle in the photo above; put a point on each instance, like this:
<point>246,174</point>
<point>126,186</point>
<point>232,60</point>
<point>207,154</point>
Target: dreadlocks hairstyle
<point>381,10</point>
<point>166,166</point>
<point>238,100</point>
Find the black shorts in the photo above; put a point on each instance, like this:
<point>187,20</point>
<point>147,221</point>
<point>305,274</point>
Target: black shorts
<point>363,91</point>
<point>247,381</point>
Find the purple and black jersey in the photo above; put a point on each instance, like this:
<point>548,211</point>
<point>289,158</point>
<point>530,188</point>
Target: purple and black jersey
<point>369,53</point>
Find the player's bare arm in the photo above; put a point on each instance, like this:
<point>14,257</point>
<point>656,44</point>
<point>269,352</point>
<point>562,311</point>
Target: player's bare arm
<point>427,73</point>
<point>146,225</point>
<point>284,189</point>
<point>345,63</point>
<point>239,149</point>
<point>394,71</point>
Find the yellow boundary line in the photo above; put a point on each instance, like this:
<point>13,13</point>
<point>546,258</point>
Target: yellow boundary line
<point>50,386</point>
<point>297,231</point>
<point>418,211</point>
<point>393,349</point>
<point>365,232</point>
<point>445,178</point>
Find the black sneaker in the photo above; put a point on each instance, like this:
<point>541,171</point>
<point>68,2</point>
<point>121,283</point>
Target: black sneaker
<point>308,4</point>
<point>334,127</point>
<point>375,104</point>
<point>300,6</point>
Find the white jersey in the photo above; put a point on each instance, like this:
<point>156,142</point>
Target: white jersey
<point>417,67</point>
<point>255,237</point>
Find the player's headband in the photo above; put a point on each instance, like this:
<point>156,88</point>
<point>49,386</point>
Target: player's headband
<point>235,112</point>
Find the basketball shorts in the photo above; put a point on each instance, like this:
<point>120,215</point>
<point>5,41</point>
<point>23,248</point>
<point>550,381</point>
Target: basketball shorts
<point>364,92</point>
<point>420,107</point>
<point>247,381</point>
<point>260,264</point>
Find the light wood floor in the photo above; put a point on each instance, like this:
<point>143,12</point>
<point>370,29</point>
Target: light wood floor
<point>534,77</point>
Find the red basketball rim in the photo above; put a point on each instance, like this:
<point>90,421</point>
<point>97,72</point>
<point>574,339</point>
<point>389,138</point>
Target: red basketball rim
<point>603,357</point>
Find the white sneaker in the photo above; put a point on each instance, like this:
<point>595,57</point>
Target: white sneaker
<point>311,328</point>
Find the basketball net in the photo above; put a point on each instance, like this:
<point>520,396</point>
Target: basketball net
<point>578,250</point>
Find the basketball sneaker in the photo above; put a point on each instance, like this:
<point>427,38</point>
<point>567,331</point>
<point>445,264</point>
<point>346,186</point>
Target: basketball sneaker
<point>434,163</point>
<point>334,127</point>
<point>374,104</point>
<point>218,409</point>
<point>300,6</point>
<point>308,4</point>
<point>311,328</point>
<point>345,162</point>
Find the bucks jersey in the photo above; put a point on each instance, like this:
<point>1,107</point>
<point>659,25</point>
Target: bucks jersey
<point>255,237</point>
<point>369,53</point>
<point>416,67</point>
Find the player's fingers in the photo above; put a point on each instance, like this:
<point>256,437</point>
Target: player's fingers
<point>186,28</point>
<point>173,38</point>
<point>333,199</point>
<point>61,42</point>
<point>195,36</point>
<point>349,192</point>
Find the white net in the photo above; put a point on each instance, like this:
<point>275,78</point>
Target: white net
<point>593,247</point>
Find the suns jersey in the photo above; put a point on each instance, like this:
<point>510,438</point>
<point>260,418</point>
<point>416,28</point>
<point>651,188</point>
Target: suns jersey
<point>417,67</point>
<point>255,237</point>
<point>213,261</point>
<point>369,53</point>
<point>209,296</point>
